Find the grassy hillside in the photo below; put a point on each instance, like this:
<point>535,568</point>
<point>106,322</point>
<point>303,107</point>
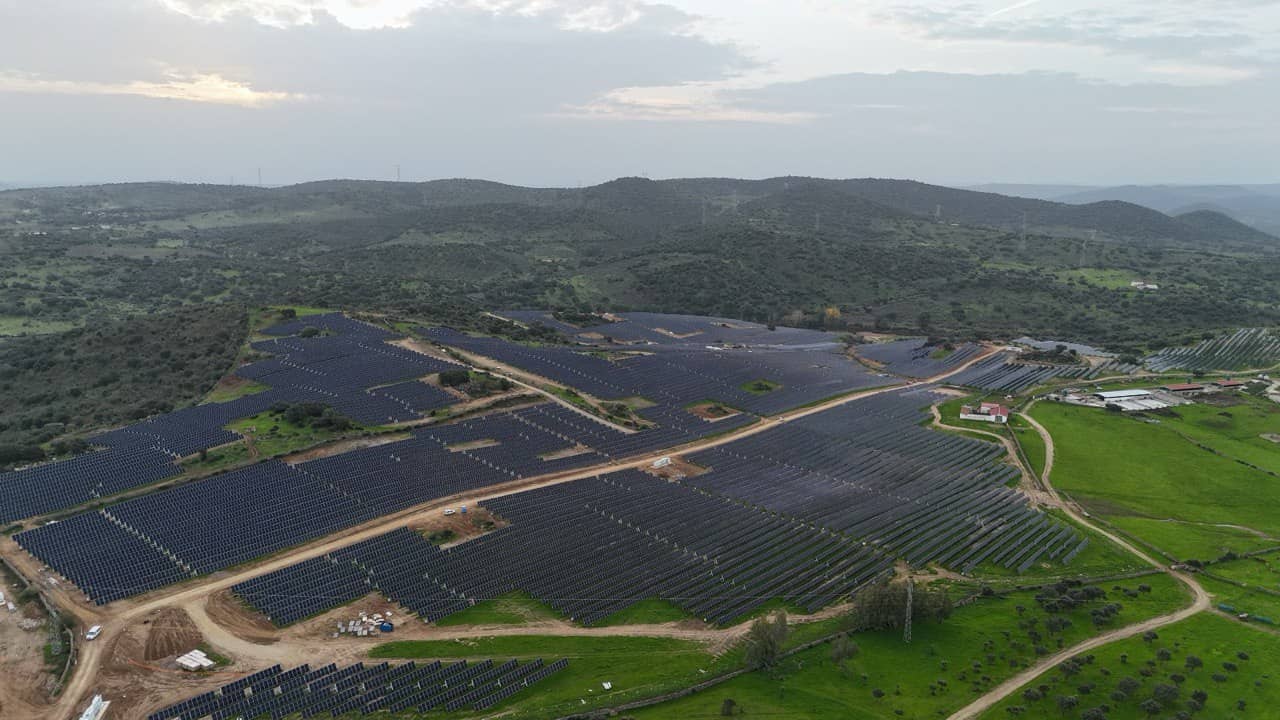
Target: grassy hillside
<point>1175,480</point>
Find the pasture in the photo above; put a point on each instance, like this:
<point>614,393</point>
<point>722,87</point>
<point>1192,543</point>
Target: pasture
<point>1231,663</point>
<point>1140,473</point>
<point>945,666</point>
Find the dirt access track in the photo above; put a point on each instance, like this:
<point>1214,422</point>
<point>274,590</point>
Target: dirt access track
<point>120,620</point>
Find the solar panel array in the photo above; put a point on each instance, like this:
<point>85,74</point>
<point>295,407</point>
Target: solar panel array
<point>354,371</point>
<point>1249,348</point>
<point>869,470</point>
<point>361,689</point>
<point>185,531</point>
<point>677,376</point>
<point>915,357</point>
<point>340,369</point>
<point>667,329</point>
<point>1001,373</point>
<point>589,548</point>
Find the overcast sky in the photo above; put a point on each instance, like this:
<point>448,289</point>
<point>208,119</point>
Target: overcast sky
<point>563,92</point>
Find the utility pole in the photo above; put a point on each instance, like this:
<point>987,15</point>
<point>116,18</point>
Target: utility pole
<point>397,172</point>
<point>906,625</point>
<point>259,177</point>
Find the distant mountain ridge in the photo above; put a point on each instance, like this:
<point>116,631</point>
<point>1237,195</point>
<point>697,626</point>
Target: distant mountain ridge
<point>1255,205</point>
<point>659,204</point>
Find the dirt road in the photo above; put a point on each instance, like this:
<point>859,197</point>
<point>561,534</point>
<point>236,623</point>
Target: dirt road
<point>81,684</point>
<point>1200,603</point>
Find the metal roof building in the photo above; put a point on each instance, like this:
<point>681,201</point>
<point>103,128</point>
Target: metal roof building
<point>1121,394</point>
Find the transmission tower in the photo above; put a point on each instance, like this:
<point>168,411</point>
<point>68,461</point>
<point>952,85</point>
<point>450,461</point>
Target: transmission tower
<point>906,626</point>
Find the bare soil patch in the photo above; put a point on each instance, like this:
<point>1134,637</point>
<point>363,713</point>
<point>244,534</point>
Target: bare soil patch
<point>713,411</point>
<point>679,468</point>
<point>677,336</point>
<point>472,445</point>
<point>566,452</point>
<point>459,527</point>
<point>137,687</point>
<point>421,347</point>
<point>226,610</point>
<point>170,632</point>
<point>342,446</point>
<point>25,680</point>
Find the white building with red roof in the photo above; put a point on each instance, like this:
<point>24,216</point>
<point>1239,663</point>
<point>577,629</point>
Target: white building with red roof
<point>986,412</point>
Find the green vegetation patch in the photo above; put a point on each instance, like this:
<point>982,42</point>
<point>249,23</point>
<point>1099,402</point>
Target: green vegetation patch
<point>647,612</point>
<point>945,666</point>
<point>288,428</point>
<point>1206,666</point>
<point>516,608</point>
<point>1030,441</point>
<point>761,386</point>
<point>636,667</point>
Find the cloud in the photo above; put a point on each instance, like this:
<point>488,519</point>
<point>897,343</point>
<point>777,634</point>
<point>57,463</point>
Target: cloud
<point>1221,40</point>
<point>675,104</point>
<point>201,88</point>
<point>582,15</point>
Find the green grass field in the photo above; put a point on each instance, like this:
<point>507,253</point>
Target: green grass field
<point>1260,570</point>
<point>944,667</point>
<point>1211,638</point>
<point>647,612</point>
<point>1030,441</point>
<point>637,668</point>
<point>273,435</point>
<point>1251,600</point>
<point>1138,474</point>
<point>511,609</point>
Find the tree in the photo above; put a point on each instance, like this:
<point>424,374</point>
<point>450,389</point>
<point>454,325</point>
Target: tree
<point>1067,703</point>
<point>764,641</point>
<point>454,378</point>
<point>1165,694</point>
<point>842,649</point>
<point>1150,707</point>
<point>1193,663</point>
<point>728,707</point>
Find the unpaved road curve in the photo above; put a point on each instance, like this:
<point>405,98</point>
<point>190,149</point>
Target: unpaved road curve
<point>80,686</point>
<point>1200,603</point>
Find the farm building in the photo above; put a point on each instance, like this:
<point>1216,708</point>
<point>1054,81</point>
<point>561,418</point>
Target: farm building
<point>985,412</point>
<point>1134,400</point>
<point>1122,394</point>
<point>1183,388</point>
<point>1230,384</point>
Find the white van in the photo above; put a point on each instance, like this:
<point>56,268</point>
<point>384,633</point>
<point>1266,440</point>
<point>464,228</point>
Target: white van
<point>94,632</point>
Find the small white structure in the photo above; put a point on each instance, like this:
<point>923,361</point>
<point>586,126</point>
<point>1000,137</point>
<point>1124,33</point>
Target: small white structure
<point>195,660</point>
<point>1143,285</point>
<point>661,462</point>
<point>96,710</point>
<point>985,412</point>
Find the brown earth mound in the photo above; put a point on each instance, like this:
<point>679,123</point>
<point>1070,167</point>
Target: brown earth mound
<point>169,632</point>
